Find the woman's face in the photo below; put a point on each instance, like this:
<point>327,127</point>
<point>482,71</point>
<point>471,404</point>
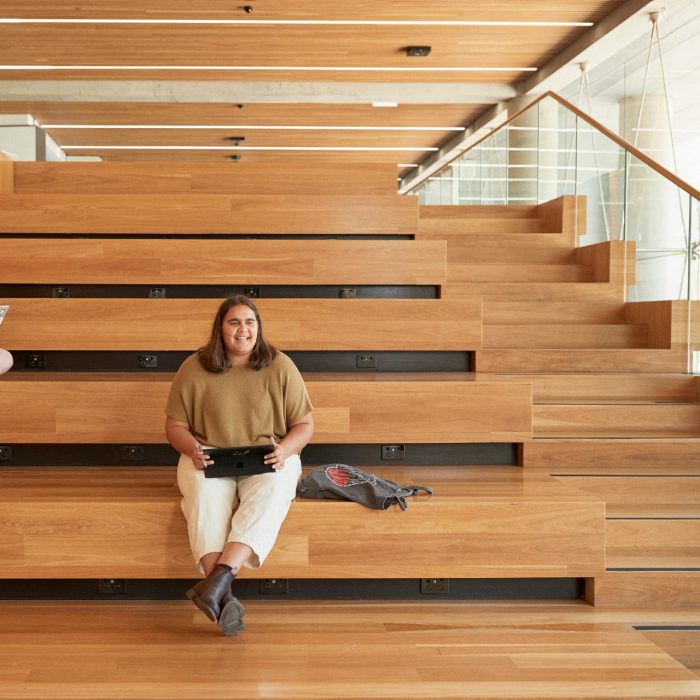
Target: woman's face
<point>239,331</point>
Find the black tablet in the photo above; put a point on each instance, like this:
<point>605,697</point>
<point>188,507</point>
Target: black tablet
<point>238,461</point>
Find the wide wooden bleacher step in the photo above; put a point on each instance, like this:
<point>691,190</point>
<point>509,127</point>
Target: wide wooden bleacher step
<point>208,213</point>
<point>348,408</point>
<point>184,324</point>
<point>480,522</point>
<point>251,262</point>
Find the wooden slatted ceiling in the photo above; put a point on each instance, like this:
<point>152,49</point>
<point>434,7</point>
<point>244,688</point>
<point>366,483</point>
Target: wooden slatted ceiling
<point>370,47</point>
<point>330,46</point>
<point>257,114</point>
<point>245,120</point>
<point>544,10</point>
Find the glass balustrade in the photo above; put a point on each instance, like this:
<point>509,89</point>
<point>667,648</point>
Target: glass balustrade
<point>552,149</point>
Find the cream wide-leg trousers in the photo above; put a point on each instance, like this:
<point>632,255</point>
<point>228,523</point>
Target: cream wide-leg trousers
<point>246,509</point>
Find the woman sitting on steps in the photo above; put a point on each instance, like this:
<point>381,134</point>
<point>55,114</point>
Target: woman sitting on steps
<point>237,390</point>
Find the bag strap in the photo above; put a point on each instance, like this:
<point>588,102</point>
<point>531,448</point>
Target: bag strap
<point>415,489</point>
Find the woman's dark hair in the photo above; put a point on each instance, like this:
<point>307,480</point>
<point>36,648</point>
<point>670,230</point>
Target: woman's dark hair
<point>213,354</point>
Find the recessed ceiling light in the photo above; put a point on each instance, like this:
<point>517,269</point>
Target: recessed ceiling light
<point>419,51</point>
<point>384,103</point>
<point>311,22</point>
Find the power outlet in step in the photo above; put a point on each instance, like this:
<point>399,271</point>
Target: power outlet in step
<point>434,586</point>
<point>111,586</point>
<point>276,586</point>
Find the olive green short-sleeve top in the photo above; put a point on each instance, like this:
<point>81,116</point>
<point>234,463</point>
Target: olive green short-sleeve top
<point>241,406</point>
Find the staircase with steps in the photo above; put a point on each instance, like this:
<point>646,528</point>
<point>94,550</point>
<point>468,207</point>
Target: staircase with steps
<point>614,412</point>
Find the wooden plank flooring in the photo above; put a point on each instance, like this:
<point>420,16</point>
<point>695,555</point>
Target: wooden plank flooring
<point>325,649</point>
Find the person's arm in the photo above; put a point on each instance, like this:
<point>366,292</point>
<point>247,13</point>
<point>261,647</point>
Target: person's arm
<point>180,437</point>
<point>6,361</point>
<point>298,436</point>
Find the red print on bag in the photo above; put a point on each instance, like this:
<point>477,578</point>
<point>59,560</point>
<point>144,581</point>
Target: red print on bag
<point>344,476</point>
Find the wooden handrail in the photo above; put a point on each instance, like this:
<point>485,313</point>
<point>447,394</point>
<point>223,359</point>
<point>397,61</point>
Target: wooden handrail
<point>681,184</point>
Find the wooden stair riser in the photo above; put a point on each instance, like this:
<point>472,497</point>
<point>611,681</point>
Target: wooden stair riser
<point>582,292</point>
<point>565,336</point>
<point>522,272</point>
<point>619,360</point>
<point>659,420</point>
<point>604,388</point>
<point>646,589</point>
<point>546,312</point>
<point>612,455</point>
<point>653,543</point>
<point>639,495</point>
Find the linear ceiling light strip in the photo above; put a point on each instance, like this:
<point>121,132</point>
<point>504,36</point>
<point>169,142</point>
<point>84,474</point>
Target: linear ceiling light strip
<point>461,69</point>
<point>242,148</point>
<point>302,22</point>
<point>251,126</point>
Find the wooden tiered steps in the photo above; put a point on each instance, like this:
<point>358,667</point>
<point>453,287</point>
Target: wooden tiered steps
<point>614,413</point>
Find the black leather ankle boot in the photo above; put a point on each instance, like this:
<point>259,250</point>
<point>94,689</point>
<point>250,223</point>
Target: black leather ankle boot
<point>208,594</point>
<point>231,617</point>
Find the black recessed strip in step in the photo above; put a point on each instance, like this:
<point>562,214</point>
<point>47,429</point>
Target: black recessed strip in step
<point>642,569</point>
<point>667,628</point>
<point>163,455</point>
<point>218,291</point>
<point>297,589</point>
<point>149,360</point>
<point>228,236</point>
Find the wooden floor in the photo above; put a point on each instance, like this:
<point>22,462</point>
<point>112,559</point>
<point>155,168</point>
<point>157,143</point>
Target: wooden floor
<point>441,649</point>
